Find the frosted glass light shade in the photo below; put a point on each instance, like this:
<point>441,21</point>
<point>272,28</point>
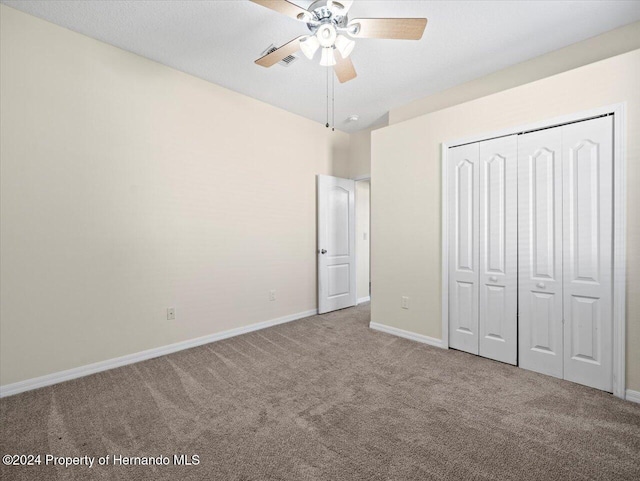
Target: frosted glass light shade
<point>309,46</point>
<point>326,35</point>
<point>344,45</point>
<point>328,57</point>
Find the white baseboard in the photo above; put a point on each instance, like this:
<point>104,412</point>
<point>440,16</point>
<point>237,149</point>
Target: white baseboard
<point>432,341</point>
<point>57,377</point>
<point>363,299</point>
<point>633,396</point>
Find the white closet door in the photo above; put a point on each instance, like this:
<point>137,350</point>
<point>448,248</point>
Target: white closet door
<point>463,247</point>
<point>498,309</point>
<point>540,251</point>
<point>587,254</point>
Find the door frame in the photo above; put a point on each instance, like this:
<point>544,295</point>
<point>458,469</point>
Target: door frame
<point>619,222</point>
<point>357,179</point>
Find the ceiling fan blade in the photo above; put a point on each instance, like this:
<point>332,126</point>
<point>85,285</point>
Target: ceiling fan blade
<point>396,28</point>
<point>274,57</point>
<point>284,7</point>
<point>344,69</point>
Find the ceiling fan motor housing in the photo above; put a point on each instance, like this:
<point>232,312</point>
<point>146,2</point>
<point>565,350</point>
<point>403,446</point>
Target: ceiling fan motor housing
<point>327,12</point>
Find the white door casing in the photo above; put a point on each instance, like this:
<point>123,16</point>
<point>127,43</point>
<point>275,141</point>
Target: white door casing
<point>587,252</point>
<point>336,243</point>
<point>464,248</point>
<point>540,251</point>
<point>498,301</point>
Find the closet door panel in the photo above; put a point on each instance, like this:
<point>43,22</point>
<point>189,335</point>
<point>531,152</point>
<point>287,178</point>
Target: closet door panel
<point>463,248</point>
<point>540,251</point>
<point>498,249</point>
<point>587,253</point>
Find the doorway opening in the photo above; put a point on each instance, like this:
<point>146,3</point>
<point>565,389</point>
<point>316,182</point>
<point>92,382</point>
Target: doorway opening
<point>343,242</point>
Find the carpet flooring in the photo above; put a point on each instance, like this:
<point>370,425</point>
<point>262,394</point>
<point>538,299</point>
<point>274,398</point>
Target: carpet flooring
<point>325,398</point>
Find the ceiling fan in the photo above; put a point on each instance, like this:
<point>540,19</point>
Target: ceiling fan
<point>331,30</point>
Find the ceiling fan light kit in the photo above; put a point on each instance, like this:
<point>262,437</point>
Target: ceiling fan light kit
<point>328,58</point>
<point>344,45</point>
<point>309,46</point>
<point>330,28</point>
<point>326,35</point>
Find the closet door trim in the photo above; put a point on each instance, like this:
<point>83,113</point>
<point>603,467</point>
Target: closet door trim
<point>619,222</point>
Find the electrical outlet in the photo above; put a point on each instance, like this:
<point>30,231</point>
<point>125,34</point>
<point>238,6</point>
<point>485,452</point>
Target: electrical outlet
<point>171,314</point>
<point>405,302</point>
<point>272,295</point>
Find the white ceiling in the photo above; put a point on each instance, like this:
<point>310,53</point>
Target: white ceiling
<point>219,40</point>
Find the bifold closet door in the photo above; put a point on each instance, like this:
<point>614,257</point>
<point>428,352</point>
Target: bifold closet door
<point>530,250</point>
<point>498,299</point>
<point>540,346</point>
<point>463,181</point>
<point>565,202</point>
<point>587,253</point>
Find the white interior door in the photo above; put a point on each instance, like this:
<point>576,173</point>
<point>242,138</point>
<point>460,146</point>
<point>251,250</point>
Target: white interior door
<point>336,243</point>
<point>463,248</point>
<point>540,345</point>
<point>498,303</point>
<point>587,259</point>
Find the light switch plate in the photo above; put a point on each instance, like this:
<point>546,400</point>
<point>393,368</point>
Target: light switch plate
<point>171,314</point>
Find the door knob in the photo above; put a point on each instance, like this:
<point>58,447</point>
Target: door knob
<point>493,279</point>
<point>323,251</point>
<point>540,285</point>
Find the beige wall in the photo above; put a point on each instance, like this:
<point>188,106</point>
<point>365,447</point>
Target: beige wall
<point>609,44</point>
<point>405,248</point>
<point>128,187</point>
<point>359,154</point>
<point>362,238</point>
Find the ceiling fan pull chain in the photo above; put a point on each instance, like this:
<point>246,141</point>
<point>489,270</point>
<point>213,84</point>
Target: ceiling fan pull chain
<point>327,125</point>
<point>333,103</point>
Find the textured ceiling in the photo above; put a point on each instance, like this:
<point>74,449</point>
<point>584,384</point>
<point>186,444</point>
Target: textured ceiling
<point>219,40</point>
